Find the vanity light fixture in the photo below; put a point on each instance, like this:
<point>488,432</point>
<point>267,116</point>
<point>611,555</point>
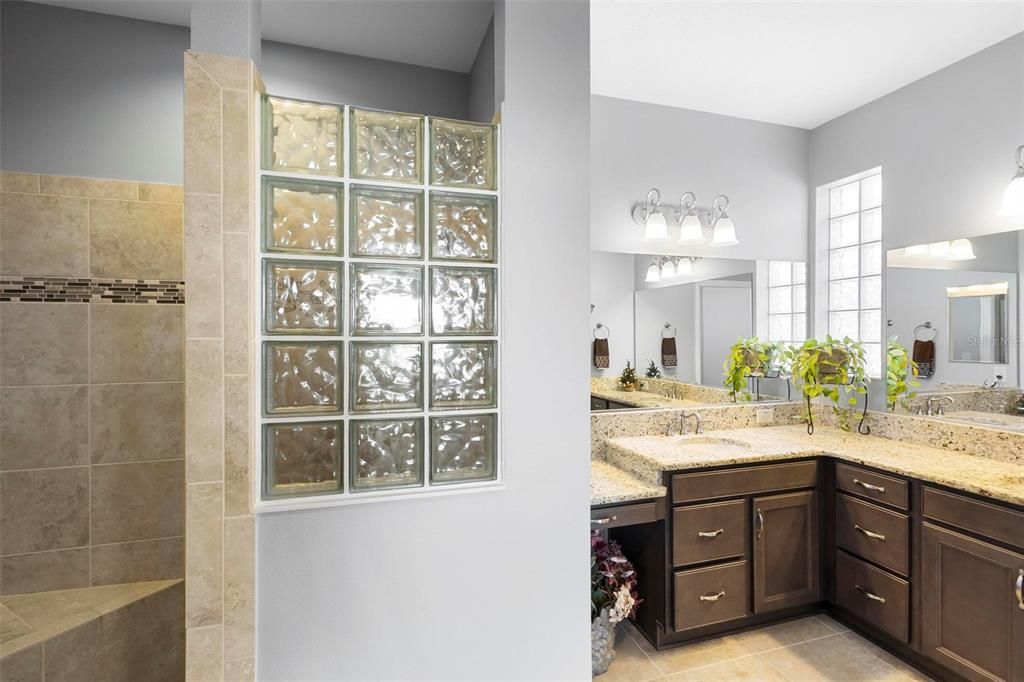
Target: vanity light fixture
<point>668,268</point>
<point>961,249</point>
<point>938,250</point>
<point>653,271</point>
<point>723,233</point>
<point>994,289</point>
<point>691,231</point>
<point>684,267</point>
<point>650,216</point>
<point>1013,197</point>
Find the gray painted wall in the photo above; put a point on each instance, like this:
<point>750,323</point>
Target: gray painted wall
<point>90,94</point>
<point>482,101</point>
<point>305,73</point>
<point>101,96</point>
<point>761,166</point>
<point>433,588</point>
<point>945,144</point>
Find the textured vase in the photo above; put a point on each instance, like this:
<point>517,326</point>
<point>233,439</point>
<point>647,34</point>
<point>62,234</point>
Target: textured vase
<point>602,643</point>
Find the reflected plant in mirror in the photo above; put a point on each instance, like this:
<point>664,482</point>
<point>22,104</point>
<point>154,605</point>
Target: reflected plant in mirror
<point>900,375</point>
<point>747,358</point>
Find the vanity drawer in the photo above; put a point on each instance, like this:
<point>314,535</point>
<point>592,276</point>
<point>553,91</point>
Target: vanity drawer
<point>626,514</point>
<point>876,596</point>
<point>998,523</point>
<point>709,531</point>
<point>704,596</point>
<point>733,482</point>
<point>873,533</point>
<point>871,485</point>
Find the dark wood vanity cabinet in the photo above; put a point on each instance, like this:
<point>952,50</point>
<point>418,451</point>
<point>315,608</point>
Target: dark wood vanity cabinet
<point>934,575</point>
<point>785,551</point>
<point>972,607</point>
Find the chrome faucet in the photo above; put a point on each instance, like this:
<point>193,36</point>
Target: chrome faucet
<point>682,423</point>
<point>938,400</point>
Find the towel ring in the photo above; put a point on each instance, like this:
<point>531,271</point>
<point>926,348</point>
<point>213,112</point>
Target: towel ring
<point>925,325</point>
<point>607,331</point>
<point>667,327</point>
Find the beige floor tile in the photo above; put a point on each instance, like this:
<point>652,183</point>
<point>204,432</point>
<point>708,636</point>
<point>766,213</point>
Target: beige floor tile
<point>746,668</point>
<point>690,656</point>
<point>832,623</point>
<point>630,664</point>
<point>631,630</point>
<point>785,634</point>
<point>831,658</point>
<point>910,672</point>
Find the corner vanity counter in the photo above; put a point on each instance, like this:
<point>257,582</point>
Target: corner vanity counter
<point>918,547</point>
<point>611,399</point>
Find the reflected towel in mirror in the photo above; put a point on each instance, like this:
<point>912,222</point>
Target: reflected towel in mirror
<point>668,352</point>
<point>924,357</point>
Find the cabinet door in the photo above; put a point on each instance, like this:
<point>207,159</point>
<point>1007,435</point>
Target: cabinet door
<point>785,551</point>
<point>972,606</point>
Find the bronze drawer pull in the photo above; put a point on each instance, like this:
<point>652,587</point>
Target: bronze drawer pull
<point>869,595</point>
<point>605,521</point>
<point>710,533</point>
<point>870,533</point>
<point>868,486</point>
<point>712,597</point>
<point>1020,589</point>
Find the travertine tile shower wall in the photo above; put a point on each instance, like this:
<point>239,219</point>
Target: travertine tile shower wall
<point>92,487</point>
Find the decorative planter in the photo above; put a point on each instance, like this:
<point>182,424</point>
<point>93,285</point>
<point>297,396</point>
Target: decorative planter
<point>602,643</point>
<point>630,387</point>
<point>829,366</point>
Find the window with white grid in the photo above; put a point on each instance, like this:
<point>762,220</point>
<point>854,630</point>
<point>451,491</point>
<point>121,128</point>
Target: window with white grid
<point>787,301</point>
<point>855,264</point>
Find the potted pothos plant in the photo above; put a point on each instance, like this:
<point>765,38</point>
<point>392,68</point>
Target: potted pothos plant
<point>835,369</point>
<point>900,375</point>
<point>613,598</point>
<point>747,358</point>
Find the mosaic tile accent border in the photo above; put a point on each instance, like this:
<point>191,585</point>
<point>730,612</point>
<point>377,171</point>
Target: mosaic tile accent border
<point>91,290</point>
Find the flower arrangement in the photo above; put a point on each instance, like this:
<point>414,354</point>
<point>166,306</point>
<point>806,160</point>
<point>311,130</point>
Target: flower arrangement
<point>612,581</point>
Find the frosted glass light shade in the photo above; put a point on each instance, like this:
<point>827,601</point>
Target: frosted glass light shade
<point>1013,197</point>
<point>668,270</point>
<point>690,230</point>
<point>938,250</point>
<point>684,267</point>
<point>655,228</point>
<point>961,249</point>
<point>724,233</point>
<point>653,273</point>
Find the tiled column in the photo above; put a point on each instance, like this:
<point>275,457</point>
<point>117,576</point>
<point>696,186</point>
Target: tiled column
<point>219,557</point>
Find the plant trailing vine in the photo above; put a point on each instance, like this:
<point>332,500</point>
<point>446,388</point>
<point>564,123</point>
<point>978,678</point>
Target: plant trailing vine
<point>747,358</point>
<point>833,369</point>
<point>900,375</point>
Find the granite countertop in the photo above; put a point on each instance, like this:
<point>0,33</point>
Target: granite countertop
<point>609,484</point>
<point>641,398</point>
<point>648,457</point>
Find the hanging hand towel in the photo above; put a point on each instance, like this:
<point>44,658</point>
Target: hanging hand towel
<point>668,352</point>
<point>602,359</point>
<point>924,356</point>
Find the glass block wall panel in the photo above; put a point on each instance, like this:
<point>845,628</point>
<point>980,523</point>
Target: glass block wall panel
<point>302,297</point>
<point>462,448</point>
<point>386,223</point>
<point>463,154</point>
<point>385,453</point>
<point>386,376</point>
<point>303,458</point>
<point>302,217</point>
<point>463,375</point>
<point>462,301</point>
<point>302,378</point>
<point>462,227</point>
<point>386,299</point>
<point>302,137</point>
<point>386,146</point>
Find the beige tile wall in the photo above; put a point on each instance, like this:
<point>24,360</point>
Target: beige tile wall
<point>219,162</point>
<point>92,469</point>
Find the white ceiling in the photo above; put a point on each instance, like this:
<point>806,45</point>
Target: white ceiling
<point>443,34</point>
<point>795,63</point>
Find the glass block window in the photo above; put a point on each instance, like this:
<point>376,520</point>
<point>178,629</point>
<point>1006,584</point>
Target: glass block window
<point>378,319</point>
<point>855,264</point>
<point>787,301</point>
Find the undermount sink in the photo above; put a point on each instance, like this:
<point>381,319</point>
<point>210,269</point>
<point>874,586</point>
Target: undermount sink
<point>711,445</point>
